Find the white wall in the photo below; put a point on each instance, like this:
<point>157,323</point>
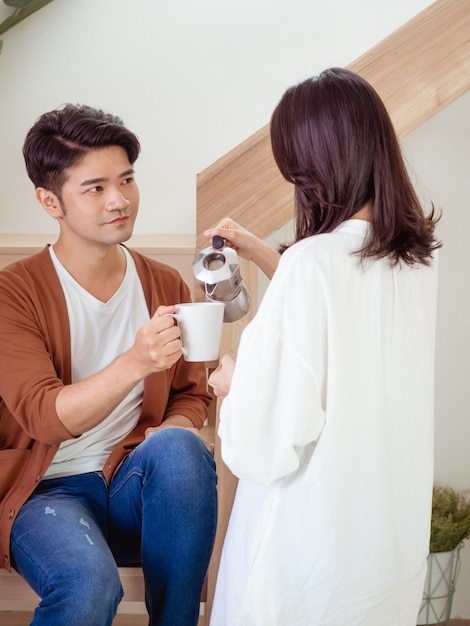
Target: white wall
<point>439,156</point>
<point>195,79</point>
<point>192,79</point>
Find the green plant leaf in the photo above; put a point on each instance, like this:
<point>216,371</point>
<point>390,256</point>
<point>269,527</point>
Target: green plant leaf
<point>21,14</point>
<point>450,521</point>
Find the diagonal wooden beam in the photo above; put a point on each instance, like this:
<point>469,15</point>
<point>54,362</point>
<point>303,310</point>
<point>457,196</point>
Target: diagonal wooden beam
<point>418,70</point>
<point>423,66</point>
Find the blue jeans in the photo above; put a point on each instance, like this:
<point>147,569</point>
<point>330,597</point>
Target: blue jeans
<point>160,511</point>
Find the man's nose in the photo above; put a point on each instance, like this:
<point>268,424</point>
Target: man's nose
<point>117,201</point>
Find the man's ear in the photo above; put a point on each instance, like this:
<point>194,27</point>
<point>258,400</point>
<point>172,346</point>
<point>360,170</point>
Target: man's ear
<point>50,202</point>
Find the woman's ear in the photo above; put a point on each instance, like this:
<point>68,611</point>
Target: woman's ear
<point>50,202</point>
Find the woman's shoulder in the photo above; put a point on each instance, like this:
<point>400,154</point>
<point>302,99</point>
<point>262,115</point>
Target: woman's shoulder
<point>346,238</point>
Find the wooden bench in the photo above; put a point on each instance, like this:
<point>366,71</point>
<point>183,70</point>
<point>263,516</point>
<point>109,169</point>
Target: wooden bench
<point>17,595</point>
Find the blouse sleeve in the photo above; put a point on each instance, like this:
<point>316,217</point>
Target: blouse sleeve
<point>276,402</point>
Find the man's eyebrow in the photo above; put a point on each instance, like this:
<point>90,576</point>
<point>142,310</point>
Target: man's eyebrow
<point>95,181</point>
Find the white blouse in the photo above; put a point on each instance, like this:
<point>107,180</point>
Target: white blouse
<point>329,425</point>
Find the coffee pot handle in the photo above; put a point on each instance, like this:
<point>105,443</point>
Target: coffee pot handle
<point>218,242</point>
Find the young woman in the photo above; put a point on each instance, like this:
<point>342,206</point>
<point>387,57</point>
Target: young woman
<point>328,412</point>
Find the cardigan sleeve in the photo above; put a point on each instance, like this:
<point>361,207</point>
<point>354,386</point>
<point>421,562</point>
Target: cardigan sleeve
<point>29,383</point>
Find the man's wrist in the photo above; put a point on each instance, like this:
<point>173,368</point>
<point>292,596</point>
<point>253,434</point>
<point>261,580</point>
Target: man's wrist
<point>178,420</point>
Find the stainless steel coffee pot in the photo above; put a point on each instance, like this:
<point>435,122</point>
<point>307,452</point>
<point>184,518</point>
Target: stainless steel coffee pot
<point>217,270</point>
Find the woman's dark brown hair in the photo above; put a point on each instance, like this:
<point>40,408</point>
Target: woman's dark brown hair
<point>333,139</point>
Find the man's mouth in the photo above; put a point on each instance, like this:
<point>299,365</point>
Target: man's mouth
<point>120,220</point>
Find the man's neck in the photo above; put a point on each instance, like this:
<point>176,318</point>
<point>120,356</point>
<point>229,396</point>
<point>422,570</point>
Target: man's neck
<point>100,271</point>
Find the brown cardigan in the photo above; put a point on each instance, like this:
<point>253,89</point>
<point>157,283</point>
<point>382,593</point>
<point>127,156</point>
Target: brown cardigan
<point>35,363</point>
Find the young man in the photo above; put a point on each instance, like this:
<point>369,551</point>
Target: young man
<point>99,414</point>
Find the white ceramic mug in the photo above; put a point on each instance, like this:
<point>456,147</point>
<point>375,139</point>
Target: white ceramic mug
<point>201,329</point>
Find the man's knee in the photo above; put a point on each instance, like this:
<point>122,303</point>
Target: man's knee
<point>178,445</point>
<point>181,454</point>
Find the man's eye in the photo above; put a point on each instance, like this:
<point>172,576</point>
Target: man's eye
<point>95,189</point>
<point>127,181</point>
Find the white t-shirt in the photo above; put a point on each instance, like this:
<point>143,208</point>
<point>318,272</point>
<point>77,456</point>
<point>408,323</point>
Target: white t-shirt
<point>329,425</point>
<point>100,331</point>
